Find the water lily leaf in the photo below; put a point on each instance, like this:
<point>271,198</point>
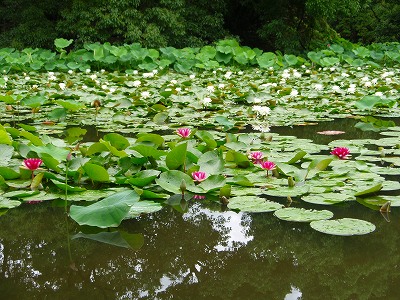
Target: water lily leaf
<point>207,138</point>
<point>5,138</point>
<point>327,198</point>
<point>8,173</point>
<point>143,207</point>
<point>381,200</point>
<point>213,182</point>
<point>96,148</point>
<point>116,140</point>
<point>224,121</point>
<point>148,151</point>
<point>368,102</point>
<point>369,190</point>
<point>302,215</point>
<point>62,43</point>
<point>176,157</point>
<point>345,226</point>
<point>7,203</point>
<point>19,194</point>
<point>147,138</point>
<point>239,180</point>
<point>32,138</point>
<point>108,212</point>
<point>6,154</point>
<point>34,101</point>
<point>171,182</point>
<point>58,153</point>
<point>96,172</point>
<point>211,163</point>
<point>299,155</point>
<point>117,238</point>
<point>71,105</point>
<point>241,160</point>
<point>112,149</point>
<point>143,178</point>
<point>287,191</point>
<point>19,184</point>
<point>69,188</point>
<point>50,162</point>
<point>42,196</point>
<point>253,204</point>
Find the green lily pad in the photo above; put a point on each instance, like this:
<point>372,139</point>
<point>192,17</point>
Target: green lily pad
<point>327,198</point>
<point>345,226</point>
<point>143,207</point>
<point>7,203</point>
<point>108,212</point>
<point>253,204</point>
<point>302,215</point>
<point>287,191</point>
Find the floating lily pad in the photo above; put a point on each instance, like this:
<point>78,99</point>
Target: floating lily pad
<point>143,207</point>
<point>302,215</point>
<point>381,200</point>
<point>253,204</point>
<point>327,198</point>
<point>7,203</point>
<point>287,191</point>
<point>345,226</point>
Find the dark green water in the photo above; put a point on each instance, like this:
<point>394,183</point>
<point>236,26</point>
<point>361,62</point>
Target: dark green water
<point>205,253</point>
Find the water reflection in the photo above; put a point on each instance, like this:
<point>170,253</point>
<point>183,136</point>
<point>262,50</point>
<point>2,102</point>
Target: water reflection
<point>295,294</point>
<point>233,227</point>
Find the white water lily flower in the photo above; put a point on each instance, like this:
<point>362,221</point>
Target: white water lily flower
<point>332,69</point>
<point>173,81</point>
<point>257,100</point>
<point>104,86</point>
<point>148,75</point>
<point>112,90</point>
<point>365,78</point>
<point>70,71</point>
<point>228,75</point>
<point>102,71</point>
<point>240,73</point>
<point>367,83</point>
<point>294,93</point>
<point>178,89</point>
<point>84,87</point>
<point>93,76</point>
<point>145,94</point>
<point>135,72</point>
<point>87,71</point>
<point>388,80</point>
<point>192,76</point>
<point>296,74</point>
<point>380,94</point>
<point>155,71</point>
<point>261,110</point>
<point>27,78</point>
<point>136,83</point>
<point>261,127</point>
<point>345,74</point>
<point>318,87</point>
<point>34,86</point>
<point>221,86</point>
<point>351,90</point>
<point>285,75</point>
<point>336,88</point>
<point>206,101</point>
<point>210,88</point>
<point>62,85</point>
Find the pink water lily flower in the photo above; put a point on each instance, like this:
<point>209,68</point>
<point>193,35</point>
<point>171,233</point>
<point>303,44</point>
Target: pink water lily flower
<point>341,152</point>
<point>256,157</point>
<point>33,163</point>
<point>183,132</point>
<point>199,176</point>
<point>268,165</point>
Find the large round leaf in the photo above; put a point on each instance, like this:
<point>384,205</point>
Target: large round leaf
<point>171,182</point>
<point>96,172</point>
<point>108,212</point>
<point>253,204</point>
<point>327,198</point>
<point>345,226</point>
<point>302,215</point>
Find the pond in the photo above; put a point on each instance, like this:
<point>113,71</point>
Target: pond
<point>200,249</point>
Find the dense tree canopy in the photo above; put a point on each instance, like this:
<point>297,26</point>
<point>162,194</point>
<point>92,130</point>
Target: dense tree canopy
<point>286,25</point>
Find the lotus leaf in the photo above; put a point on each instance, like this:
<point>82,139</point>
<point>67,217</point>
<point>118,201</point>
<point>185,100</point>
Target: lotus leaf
<point>302,215</point>
<point>253,204</point>
<point>344,227</point>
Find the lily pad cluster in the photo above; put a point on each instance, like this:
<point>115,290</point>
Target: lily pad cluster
<point>135,175</point>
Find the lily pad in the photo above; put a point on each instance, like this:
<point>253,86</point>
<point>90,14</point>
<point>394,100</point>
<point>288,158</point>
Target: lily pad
<point>287,191</point>
<point>327,198</point>
<point>253,204</point>
<point>143,207</point>
<point>302,215</point>
<point>345,226</point>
